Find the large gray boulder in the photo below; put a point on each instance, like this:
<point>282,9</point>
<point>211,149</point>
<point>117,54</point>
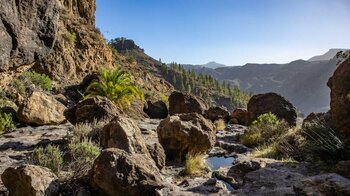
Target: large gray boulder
<point>30,180</point>
<point>116,172</point>
<point>185,133</point>
<point>41,109</point>
<point>274,103</point>
<point>180,103</point>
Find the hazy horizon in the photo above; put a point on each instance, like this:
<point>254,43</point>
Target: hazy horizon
<point>228,32</point>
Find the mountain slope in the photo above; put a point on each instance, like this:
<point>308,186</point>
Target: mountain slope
<point>302,82</point>
<point>327,56</point>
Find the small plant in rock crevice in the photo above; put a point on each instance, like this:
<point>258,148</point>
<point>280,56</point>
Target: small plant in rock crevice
<point>6,122</point>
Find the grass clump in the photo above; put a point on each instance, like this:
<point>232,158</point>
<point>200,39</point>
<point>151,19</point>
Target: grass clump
<point>6,122</point>
<point>83,155</point>
<point>71,37</point>
<point>266,129</point>
<point>83,131</point>
<point>117,86</point>
<point>32,78</point>
<point>220,124</point>
<point>196,165</point>
<point>49,157</point>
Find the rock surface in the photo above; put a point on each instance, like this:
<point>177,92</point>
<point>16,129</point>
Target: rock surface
<point>157,110</point>
<point>324,184</point>
<point>239,116</point>
<point>274,103</point>
<point>27,32</point>
<point>157,153</point>
<point>30,180</point>
<point>124,134</point>
<point>216,113</point>
<point>186,103</point>
<point>339,84</point>
<point>41,109</point>
<point>185,133</point>
<point>116,172</point>
<point>88,110</point>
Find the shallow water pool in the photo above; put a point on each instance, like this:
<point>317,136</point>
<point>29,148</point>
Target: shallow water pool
<point>217,162</point>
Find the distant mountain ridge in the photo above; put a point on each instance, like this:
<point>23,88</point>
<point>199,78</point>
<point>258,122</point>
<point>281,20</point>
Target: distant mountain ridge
<point>302,82</point>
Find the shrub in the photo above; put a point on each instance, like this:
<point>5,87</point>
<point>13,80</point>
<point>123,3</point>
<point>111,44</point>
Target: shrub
<point>83,155</point>
<point>71,37</point>
<point>117,86</point>
<point>6,122</point>
<point>83,131</point>
<point>196,165</point>
<point>165,99</point>
<point>220,124</point>
<point>322,143</point>
<point>49,157</point>
<point>266,129</point>
<point>41,81</point>
<point>7,103</point>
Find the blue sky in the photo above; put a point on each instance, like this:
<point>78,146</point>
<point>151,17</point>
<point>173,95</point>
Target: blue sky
<point>232,32</point>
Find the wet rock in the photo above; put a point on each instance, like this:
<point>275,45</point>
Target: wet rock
<point>156,110</point>
<point>324,184</point>
<point>216,113</point>
<point>123,133</point>
<point>274,103</point>
<point>41,109</point>
<point>239,116</point>
<point>30,180</point>
<point>116,172</point>
<point>186,103</point>
<point>185,133</point>
<point>339,84</point>
<point>88,110</point>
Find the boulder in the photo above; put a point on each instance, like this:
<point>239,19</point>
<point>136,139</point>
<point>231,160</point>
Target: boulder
<point>116,172</point>
<point>339,84</point>
<point>185,133</point>
<point>30,180</point>
<point>124,134</point>
<point>41,109</point>
<point>216,113</point>
<point>88,110</point>
<point>239,116</point>
<point>324,184</point>
<point>157,153</point>
<point>156,110</point>
<point>343,168</point>
<point>274,103</point>
<point>319,118</point>
<point>186,103</point>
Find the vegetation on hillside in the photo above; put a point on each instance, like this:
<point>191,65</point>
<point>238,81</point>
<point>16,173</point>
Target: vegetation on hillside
<point>204,86</point>
<point>31,79</point>
<point>117,85</point>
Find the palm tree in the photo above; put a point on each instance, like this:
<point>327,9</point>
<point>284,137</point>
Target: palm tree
<point>116,85</point>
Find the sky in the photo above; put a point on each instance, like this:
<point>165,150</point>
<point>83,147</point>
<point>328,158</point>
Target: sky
<point>232,32</point>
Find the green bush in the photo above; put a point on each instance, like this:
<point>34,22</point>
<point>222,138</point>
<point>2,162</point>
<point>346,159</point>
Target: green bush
<point>6,122</point>
<point>117,86</point>
<point>83,155</point>
<point>7,103</point>
<point>49,157</point>
<point>266,129</point>
<point>40,81</point>
<point>165,99</point>
<point>71,37</point>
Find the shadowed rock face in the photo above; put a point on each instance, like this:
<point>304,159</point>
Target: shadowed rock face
<point>35,33</point>
<point>274,103</point>
<point>339,84</point>
<point>186,103</point>
<point>28,31</point>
